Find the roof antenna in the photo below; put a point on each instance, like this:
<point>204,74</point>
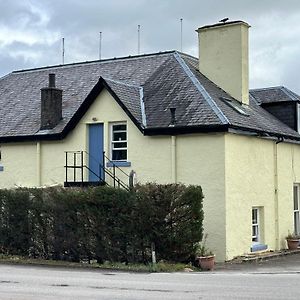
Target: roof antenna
<point>100,44</point>
<point>139,39</point>
<point>63,51</point>
<point>181,34</point>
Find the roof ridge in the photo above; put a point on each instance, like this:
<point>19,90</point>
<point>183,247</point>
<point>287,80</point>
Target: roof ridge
<point>102,61</point>
<point>201,89</point>
<point>289,93</point>
<point>122,83</point>
<point>267,88</point>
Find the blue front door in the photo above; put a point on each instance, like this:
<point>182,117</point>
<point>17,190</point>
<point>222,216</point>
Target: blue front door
<point>96,152</point>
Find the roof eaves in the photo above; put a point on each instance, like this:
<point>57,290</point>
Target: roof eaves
<point>175,130</point>
<point>201,89</point>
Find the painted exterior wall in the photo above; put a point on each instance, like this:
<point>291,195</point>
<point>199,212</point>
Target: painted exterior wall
<point>201,161</point>
<point>19,161</point>
<point>250,165</point>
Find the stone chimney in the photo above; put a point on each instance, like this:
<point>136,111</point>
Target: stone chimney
<point>51,105</point>
<point>223,57</point>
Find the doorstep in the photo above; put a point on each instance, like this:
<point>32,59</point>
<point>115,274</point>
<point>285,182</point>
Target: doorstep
<point>262,255</point>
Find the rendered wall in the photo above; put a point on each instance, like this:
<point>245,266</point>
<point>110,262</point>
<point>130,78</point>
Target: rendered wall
<point>19,163</point>
<point>201,161</point>
<point>250,166</point>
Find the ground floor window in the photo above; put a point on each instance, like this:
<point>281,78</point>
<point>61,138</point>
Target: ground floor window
<point>255,225</point>
<point>296,209</point>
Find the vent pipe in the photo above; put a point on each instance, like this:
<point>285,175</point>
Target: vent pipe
<point>173,116</point>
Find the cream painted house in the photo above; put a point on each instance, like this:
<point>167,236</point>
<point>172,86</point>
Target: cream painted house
<point>164,117</point>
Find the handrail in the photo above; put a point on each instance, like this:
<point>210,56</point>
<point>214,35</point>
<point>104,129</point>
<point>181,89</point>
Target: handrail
<point>82,166</point>
<point>114,165</point>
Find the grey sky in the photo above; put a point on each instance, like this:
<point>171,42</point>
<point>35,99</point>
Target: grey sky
<point>31,32</point>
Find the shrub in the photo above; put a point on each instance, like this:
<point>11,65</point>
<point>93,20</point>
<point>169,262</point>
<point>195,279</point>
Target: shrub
<point>102,223</point>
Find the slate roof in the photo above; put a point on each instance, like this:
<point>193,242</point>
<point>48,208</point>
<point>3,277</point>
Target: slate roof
<point>145,86</point>
<point>274,94</point>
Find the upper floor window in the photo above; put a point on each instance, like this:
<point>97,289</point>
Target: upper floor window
<point>119,142</point>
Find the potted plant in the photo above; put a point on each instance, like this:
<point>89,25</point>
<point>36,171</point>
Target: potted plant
<point>205,257</point>
<point>292,241</point>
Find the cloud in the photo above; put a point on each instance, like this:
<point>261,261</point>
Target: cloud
<point>31,31</point>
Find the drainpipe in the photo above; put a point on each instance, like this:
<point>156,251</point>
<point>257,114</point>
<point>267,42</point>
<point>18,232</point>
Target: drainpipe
<point>173,146</point>
<point>173,159</point>
<point>38,164</point>
<point>277,244</point>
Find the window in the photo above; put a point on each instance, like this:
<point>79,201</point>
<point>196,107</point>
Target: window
<point>119,142</point>
<point>255,225</point>
<point>296,209</point>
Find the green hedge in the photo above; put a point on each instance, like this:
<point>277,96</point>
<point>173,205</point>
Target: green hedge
<point>102,223</point>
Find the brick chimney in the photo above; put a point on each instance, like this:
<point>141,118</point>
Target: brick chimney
<point>223,57</point>
<point>51,105</point>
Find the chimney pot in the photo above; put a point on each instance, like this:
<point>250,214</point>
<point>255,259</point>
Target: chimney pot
<point>51,80</point>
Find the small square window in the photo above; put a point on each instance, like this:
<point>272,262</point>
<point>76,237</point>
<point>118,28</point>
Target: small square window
<point>119,142</point>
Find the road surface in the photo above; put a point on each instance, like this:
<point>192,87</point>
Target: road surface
<point>29,282</point>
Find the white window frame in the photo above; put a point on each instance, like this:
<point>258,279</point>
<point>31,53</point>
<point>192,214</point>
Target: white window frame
<point>112,142</point>
<point>255,225</point>
<point>296,208</point>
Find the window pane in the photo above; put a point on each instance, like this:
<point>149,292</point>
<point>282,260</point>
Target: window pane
<point>119,155</point>
<point>296,206</point>
<point>254,216</point>
<point>119,136</point>
<point>119,145</point>
<point>297,222</point>
<point>119,127</point>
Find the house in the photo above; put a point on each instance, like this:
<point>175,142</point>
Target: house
<point>164,117</point>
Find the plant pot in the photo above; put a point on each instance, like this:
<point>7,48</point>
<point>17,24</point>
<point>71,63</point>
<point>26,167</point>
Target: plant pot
<point>206,263</point>
<point>292,244</point>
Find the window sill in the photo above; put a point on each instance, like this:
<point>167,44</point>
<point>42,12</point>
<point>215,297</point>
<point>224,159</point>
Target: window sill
<point>258,247</point>
<point>118,164</point>
<point>1,168</point>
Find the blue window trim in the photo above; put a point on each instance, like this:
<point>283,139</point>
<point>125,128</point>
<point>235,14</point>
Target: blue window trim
<point>259,247</point>
<point>118,164</point>
<point>1,168</point>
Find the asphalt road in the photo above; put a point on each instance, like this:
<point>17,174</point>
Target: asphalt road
<point>275,280</point>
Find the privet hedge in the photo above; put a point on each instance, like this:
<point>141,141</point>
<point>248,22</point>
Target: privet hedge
<point>102,223</point>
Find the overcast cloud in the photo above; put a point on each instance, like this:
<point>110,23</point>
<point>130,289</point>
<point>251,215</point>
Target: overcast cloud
<point>31,32</point>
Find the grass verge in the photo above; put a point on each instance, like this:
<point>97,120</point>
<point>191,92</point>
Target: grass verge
<point>159,267</point>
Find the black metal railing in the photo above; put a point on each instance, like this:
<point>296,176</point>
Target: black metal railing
<point>76,167</point>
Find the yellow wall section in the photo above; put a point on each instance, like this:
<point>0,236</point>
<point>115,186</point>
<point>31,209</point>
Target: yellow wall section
<point>201,161</point>
<point>250,182</point>
<point>19,162</point>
